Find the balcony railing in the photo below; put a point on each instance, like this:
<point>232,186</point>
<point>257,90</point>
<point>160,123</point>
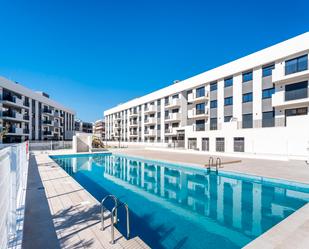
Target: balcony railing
<point>200,111</point>
<point>47,133</point>
<point>46,110</point>
<point>48,122</point>
<point>296,94</point>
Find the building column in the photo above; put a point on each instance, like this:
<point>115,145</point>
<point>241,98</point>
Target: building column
<point>36,117</point>
<point>162,118</point>
<point>237,97</point>
<point>220,103</point>
<point>257,98</point>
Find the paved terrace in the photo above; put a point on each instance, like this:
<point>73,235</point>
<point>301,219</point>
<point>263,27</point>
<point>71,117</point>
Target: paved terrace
<point>61,214</point>
<point>288,170</point>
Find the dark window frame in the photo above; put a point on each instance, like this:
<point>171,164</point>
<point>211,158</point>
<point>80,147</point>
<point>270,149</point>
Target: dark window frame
<point>296,65</point>
<point>228,82</point>
<point>245,95</point>
<point>247,76</point>
<point>228,101</point>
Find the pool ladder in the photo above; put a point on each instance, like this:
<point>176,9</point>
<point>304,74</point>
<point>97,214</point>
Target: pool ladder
<point>211,163</point>
<point>114,215</point>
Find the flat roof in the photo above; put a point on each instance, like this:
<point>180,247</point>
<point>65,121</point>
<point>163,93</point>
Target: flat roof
<point>20,89</point>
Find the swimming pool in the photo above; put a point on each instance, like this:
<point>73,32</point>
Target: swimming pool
<point>175,206</point>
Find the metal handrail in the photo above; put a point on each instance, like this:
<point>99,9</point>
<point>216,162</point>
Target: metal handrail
<point>210,160</point>
<point>103,209</point>
<point>112,219</point>
<point>218,163</point>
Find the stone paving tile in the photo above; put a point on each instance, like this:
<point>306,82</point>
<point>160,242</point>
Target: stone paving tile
<point>74,212</point>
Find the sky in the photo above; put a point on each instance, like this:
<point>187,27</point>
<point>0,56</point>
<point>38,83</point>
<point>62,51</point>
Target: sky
<point>92,55</point>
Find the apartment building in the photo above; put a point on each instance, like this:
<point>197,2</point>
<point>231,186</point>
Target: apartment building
<point>99,128</point>
<point>257,104</point>
<point>30,115</point>
<point>85,127</point>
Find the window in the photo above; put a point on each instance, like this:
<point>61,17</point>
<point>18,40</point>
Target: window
<point>175,110</point>
<point>213,124</point>
<point>268,119</point>
<point>200,108</point>
<point>296,65</point>
<point>159,127</point>
<point>220,144</point>
<point>205,144</point>
<point>228,101</point>
<point>296,91</point>
<point>158,102</point>
<point>200,92</point>
<point>227,118</point>
<point>166,100</point>
<point>213,86</point>
<point>268,70</point>
<point>176,96</point>
<point>247,97</point>
<point>247,76</point>
<point>213,104</point>
<point>228,82</point>
<point>239,144</point>
<point>296,111</point>
<point>247,121</point>
<point>267,93</point>
<point>175,125</point>
<point>200,125</point>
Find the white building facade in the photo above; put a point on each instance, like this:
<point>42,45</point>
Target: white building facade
<point>257,104</point>
<point>30,115</point>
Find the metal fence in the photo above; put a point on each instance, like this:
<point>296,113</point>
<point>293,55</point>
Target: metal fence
<point>13,181</point>
<point>49,145</point>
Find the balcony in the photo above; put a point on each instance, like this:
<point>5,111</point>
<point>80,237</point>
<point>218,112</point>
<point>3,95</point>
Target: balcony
<point>133,134</point>
<point>150,109</point>
<point>133,114</point>
<point>14,101</point>
<point>150,133</point>
<point>16,131</point>
<point>12,115</point>
<point>56,114</point>
<point>47,122</point>
<point>170,131</point>
<point>194,113</point>
<point>48,111</point>
<point>287,100</point>
<point>133,124</point>
<point>150,121</point>
<point>118,118</point>
<point>173,103</point>
<point>194,98</point>
<point>47,133</point>
<point>279,75</point>
<point>173,117</point>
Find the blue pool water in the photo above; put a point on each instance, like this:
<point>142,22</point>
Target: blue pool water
<point>174,206</point>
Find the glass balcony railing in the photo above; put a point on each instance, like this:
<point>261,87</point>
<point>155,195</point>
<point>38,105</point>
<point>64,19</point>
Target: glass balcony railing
<point>296,94</point>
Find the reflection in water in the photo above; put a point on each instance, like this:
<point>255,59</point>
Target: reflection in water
<point>247,208</point>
